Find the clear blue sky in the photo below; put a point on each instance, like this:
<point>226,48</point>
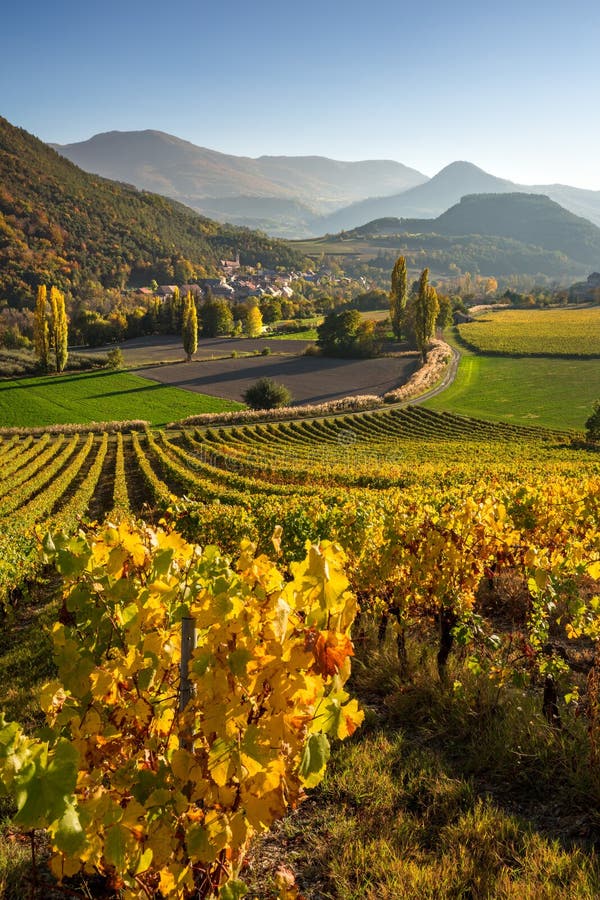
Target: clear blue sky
<point>512,86</point>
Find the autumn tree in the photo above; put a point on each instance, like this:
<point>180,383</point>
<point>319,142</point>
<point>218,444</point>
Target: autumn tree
<point>59,329</point>
<point>426,308</point>
<point>189,330</point>
<point>254,321</point>
<point>398,296</point>
<point>41,336</point>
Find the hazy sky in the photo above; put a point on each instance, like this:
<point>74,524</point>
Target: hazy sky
<point>512,86</point>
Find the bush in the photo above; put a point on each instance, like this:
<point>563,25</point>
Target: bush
<point>114,358</point>
<point>311,350</point>
<point>593,423</point>
<point>266,351</point>
<point>267,394</point>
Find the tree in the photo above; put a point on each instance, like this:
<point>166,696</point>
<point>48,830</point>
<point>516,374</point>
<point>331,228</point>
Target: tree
<point>267,394</point>
<point>425,313</point>
<point>270,308</point>
<point>444,317</point>
<point>253,323</point>
<point>59,328</point>
<point>593,423</point>
<point>189,329</point>
<point>41,337</point>
<point>398,296</point>
<point>176,311</point>
<point>216,318</point>
<point>345,334</point>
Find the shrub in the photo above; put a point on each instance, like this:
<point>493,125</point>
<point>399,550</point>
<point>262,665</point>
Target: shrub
<point>311,350</point>
<point>114,358</point>
<point>593,423</point>
<point>266,351</point>
<point>267,394</point>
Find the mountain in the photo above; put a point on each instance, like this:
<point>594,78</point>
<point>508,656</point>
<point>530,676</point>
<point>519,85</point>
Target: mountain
<point>445,189</point>
<point>491,234</point>
<point>528,218</point>
<point>203,179</point>
<point>63,226</point>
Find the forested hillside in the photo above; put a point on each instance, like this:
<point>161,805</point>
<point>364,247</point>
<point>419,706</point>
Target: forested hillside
<point>61,225</point>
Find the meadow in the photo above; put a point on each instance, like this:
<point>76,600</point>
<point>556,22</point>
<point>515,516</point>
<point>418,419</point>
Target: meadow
<point>98,396</point>
<point>535,332</point>
<point>551,392</point>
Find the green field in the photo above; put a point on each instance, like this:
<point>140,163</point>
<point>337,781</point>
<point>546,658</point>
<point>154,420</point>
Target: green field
<point>98,397</point>
<point>538,332</point>
<point>551,392</point>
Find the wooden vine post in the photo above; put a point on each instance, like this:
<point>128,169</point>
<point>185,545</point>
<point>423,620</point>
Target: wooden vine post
<point>188,645</point>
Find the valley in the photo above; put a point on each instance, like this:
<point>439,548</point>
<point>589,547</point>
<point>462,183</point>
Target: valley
<point>342,645</point>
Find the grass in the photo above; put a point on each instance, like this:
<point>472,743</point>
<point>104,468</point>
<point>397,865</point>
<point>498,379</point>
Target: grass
<point>97,397</point>
<point>550,392</point>
<point>306,334</point>
<point>442,794</point>
<point>560,332</point>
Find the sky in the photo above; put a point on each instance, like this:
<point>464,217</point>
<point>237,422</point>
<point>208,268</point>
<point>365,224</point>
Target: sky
<point>513,87</point>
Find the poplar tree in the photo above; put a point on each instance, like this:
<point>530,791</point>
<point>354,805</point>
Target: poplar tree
<point>254,321</point>
<point>398,296</point>
<point>189,329</point>
<point>41,337</point>
<point>425,313</point>
<point>177,308</point>
<point>59,329</point>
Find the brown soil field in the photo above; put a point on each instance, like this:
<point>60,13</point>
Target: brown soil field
<point>310,379</point>
<point>145,351</point>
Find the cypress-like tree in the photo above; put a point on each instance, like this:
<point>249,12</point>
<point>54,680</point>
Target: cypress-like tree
<point>41,338</point>
<point>189,329</point>
<point>398,296</point>
<point>425,313</point>
<point>59,328</point>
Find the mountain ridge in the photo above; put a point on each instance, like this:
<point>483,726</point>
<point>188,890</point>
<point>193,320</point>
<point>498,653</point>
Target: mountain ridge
<point>445,189</point>
<point>194,175</point>
<point>294,196</point>
<point>61,225</point>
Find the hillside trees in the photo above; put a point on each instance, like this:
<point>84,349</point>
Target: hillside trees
<point>398,296</point>
<point>189,332</point>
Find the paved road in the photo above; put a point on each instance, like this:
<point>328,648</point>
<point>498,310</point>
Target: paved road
<point>445,382</point>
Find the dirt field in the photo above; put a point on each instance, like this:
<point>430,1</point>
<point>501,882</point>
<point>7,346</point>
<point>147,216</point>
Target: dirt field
<point>145,351</point>
<point>310,379</point>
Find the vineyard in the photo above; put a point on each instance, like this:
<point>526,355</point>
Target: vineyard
<point>477,542</point>
<point>539,332</point>
<point>318,466</point>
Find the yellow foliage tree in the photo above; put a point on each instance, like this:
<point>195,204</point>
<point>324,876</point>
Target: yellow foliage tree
<point>254,321</point>
<point>59,328</point>
<point>41,336</point>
